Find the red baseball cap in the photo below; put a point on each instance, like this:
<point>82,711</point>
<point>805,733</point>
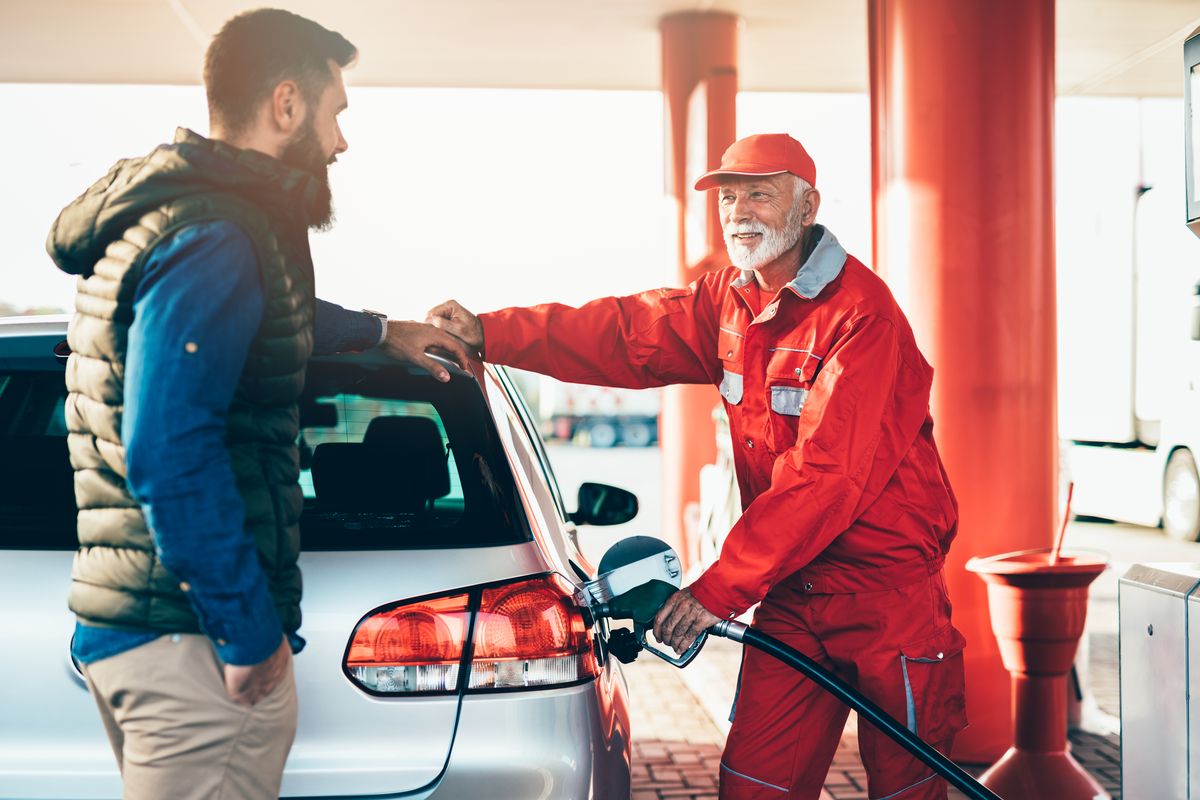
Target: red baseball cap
<point>762,154</point>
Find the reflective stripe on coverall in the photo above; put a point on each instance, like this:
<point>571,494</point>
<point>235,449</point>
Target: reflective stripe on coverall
<point>845,499</point>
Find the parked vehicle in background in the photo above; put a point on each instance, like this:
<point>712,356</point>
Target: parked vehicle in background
<point>1129,355</point>
<point>447,656</point>
<point>598,416</point>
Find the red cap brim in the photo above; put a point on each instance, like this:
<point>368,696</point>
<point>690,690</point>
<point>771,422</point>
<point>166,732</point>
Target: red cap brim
<point>711,180</point>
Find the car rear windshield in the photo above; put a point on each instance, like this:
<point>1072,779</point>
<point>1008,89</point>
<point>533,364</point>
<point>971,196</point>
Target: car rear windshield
<point>389,457</point>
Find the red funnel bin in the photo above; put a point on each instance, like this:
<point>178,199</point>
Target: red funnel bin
<point>1038,608</point>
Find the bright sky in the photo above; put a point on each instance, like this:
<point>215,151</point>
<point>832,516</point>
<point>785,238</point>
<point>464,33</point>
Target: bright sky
<point>494,197</point>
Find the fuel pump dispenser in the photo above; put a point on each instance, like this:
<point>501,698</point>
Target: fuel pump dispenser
<point>638,575</point>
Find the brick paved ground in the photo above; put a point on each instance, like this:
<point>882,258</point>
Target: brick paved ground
<point>1104,677</point>
<point>679,725</point>
<point>676,747</point>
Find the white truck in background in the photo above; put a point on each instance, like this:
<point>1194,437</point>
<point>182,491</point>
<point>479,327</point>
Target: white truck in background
<point>1129,324</point>
<point>598,415</point>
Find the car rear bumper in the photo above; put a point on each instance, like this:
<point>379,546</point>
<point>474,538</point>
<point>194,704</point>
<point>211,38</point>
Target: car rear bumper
<point>559,744</point>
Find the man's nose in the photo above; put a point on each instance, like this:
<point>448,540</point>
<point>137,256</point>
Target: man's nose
<point>739,210</point>
<point>342,145</point>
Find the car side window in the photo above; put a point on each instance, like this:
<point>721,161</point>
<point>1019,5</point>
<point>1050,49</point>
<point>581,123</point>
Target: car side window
<point>535,440</point>
<point>37,483</point>
<point>532,470</point>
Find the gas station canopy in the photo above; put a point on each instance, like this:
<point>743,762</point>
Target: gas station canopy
<point>1104,47</point>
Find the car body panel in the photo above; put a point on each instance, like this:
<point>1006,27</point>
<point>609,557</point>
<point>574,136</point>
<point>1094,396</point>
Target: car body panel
<point>345,740</point>
<point>539,759</point>
<point>45,707</point>
<point>553,743</point>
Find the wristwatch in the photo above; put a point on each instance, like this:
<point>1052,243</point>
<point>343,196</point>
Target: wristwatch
<point>379,315</point>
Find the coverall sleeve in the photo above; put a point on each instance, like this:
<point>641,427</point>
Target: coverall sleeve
<point>864,412</point>
<point>639,341</point>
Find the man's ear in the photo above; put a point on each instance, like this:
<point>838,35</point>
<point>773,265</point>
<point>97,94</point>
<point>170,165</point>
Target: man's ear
<point>812,201</point>
<point>287,107</point>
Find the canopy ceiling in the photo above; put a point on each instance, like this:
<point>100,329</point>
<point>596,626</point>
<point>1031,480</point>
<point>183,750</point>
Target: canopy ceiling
<point>1105,47</point>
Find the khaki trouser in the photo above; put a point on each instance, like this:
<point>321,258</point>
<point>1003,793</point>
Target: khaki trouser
<point>176,733</point>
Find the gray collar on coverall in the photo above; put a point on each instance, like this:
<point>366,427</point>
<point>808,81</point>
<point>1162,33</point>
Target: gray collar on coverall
<point>822,263</point>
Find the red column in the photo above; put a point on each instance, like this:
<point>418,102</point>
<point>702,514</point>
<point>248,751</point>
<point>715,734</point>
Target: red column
<point>962,102</point>
<point>699,58</point>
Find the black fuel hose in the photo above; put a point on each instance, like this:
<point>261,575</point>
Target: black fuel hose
<point>866,709</point>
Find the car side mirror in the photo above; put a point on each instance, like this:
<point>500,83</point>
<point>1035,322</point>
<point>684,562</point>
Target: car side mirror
<point>600,504</point>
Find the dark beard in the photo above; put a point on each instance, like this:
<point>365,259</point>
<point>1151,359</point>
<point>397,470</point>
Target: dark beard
<point>304,152</point>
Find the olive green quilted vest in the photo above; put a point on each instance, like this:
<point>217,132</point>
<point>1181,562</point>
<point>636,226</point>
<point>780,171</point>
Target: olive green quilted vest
<point>104,236</point>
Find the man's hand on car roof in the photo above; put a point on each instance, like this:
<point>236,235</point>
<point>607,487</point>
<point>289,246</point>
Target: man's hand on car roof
<point>408,341</point>
<point>452,317</point>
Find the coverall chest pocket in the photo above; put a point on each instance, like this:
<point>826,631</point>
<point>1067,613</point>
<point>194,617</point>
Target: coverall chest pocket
<point>729,350</point>
<point>790,375</point>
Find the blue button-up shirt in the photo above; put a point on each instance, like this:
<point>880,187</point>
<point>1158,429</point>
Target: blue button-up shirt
<point>197,308</point>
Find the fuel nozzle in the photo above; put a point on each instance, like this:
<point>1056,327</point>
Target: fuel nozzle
<point>640,604</point>
<point>637,576</point>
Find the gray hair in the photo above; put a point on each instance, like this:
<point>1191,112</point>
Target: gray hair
<point>799,187</point>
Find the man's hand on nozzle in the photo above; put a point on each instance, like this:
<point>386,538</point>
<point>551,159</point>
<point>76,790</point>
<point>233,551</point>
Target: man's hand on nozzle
<point>450,316</point>
<point>408,341</point>
<point>246,685</point>
<point>681,620</point>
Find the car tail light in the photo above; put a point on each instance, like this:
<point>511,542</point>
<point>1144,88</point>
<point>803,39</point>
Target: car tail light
<point>530,634</point>
<point>526,634</point>
<point>413,648</point>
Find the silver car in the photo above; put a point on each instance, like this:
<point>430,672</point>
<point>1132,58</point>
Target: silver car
<point>446,656</point>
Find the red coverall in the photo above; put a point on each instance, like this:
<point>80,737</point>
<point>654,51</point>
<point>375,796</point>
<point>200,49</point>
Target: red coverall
<point>847,510</point>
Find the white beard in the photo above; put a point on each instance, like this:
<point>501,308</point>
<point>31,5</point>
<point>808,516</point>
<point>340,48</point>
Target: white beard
<point>774,242</point>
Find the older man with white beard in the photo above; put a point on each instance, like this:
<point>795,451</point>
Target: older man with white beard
<point>847,510</point>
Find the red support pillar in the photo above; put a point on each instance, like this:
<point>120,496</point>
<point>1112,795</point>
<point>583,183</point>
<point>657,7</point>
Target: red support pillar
<point>699,59</point>
<point>962,103</point>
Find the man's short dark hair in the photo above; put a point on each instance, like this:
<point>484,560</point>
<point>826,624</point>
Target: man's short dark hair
<point>256,50</point>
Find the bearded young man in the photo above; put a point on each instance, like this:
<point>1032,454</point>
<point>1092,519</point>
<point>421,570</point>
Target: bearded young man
<point>194,322</point>
<point>847,510</point>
